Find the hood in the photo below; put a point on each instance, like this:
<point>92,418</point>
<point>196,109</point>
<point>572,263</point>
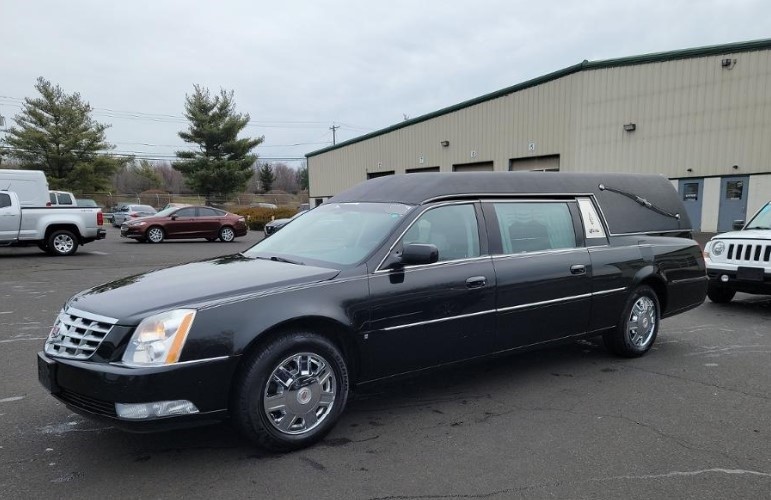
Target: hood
<point>750,234</point>
<point>192,285</point>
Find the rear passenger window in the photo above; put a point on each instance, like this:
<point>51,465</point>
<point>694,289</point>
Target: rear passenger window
<point>452,228</point>
<point>532,227</point>
<point>5,200</point>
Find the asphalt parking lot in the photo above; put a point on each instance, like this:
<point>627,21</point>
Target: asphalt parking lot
<point>692,419</point>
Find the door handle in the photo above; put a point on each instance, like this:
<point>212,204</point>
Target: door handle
<point>476,282</point>
<point>578,269</point>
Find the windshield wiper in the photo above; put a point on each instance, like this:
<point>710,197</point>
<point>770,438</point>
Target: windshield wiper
<point>276,258</point>
<point>642,201</point>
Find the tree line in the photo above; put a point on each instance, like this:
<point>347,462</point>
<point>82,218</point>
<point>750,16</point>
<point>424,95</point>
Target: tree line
<point>55,132</point>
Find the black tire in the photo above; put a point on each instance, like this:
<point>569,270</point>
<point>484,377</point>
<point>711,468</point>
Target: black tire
<point>61,243</point>
<point>155,234</point>
<point>227,234</point>
<point>641,312</point>
<point>720,294</point>
<point>255,386</point>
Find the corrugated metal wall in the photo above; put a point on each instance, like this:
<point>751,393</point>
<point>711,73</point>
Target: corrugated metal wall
<point>689,114</point>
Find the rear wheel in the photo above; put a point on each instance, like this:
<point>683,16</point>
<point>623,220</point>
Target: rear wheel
<point>720,294</point>
<point>227,234</point>
<point>639,325</point>
<point>61,242</point>
<point>291,392</point>
<point>155,234</point>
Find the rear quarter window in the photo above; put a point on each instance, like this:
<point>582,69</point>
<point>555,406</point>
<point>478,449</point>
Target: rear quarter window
<point>534,226</point>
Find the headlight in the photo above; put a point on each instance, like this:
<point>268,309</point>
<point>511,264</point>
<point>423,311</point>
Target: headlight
<point>158,340</point>
<point>718,247</point>
<point>138,223</point>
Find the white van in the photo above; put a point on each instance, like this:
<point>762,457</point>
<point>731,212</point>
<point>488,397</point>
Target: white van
<point>30,186</point>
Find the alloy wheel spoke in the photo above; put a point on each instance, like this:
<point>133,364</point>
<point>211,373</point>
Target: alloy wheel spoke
<point>275,403</point>
<point>310,419</point>
<point>327,398</point>
<point>286,422</point>
<point>283,377</point>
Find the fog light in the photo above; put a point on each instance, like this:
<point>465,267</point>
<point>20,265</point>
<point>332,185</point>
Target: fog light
<point>724,278</point>
<point>140,411</point>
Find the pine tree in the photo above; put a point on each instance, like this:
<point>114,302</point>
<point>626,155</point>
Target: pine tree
<point>267,177</point>
<point>222,163</point>
<point>55,133</point>
<point>302,177</point>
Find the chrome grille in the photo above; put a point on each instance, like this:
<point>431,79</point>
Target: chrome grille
<point>749,253</point>
<point>77,335</point>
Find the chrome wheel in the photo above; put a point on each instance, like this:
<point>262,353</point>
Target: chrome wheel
<point>300,393</point>
<point>227,234</point>
<point>642,321</point>
<point>155,235</point>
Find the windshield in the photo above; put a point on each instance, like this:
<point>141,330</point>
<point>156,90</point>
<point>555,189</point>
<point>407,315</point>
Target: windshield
<point>762,220</point>
<point>337,233</point>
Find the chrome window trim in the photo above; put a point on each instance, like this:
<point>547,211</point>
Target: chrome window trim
<point>421,267</point>
<point>524,255</point>
<point>379,268</point>
<point>484,197</point>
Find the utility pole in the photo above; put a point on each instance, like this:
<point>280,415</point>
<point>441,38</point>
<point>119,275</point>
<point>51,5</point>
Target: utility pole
<point>334,128</point>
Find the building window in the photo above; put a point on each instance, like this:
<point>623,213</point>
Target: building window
<point>419,170</point>
<point>691,191</point>
<point>483,166</point>
<point>734,190</point>
<point>374,175</point>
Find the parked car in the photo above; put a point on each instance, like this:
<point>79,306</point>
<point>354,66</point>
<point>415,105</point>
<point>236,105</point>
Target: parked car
<point>184,223</point>
<point>57,232</point>
<point>87,202</point>
<point>263,205</point>
<point>175,205</point>
<point>740,261</point>
<point>30,186</point>
<point>393,276</point>
<point>128,212</point>
<point>276,224</point>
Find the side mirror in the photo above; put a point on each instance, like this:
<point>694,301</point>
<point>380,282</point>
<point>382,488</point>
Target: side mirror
<point>738,225</point>
<point>419,253</point>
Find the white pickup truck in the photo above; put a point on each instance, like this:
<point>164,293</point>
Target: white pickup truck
<point>57,231</point>
<point>740,261</point>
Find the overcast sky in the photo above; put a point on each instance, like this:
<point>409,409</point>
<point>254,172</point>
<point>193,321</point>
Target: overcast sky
<point>297,67</point>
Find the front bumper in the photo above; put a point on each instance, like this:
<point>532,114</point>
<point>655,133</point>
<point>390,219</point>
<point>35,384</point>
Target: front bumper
<point>92,389</point>
<point>748,279</point>
<point>132,232</point>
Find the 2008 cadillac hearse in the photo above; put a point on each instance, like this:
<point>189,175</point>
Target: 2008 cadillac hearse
<point>394,275</point>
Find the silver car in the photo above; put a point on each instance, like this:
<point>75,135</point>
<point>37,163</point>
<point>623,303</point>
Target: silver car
<point>128,212</point>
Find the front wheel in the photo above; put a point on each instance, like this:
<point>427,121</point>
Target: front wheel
<point>720,294</point>
<point>155,234</point>
<point>291,392</point>
<point>61,242</point>
<point>639,325</point>
<point>227,234</point>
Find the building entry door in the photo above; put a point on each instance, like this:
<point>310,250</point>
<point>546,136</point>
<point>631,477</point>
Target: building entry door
<point>691,192</point>
<point>733,201</point>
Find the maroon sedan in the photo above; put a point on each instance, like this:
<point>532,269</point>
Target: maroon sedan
<point>184,223</point>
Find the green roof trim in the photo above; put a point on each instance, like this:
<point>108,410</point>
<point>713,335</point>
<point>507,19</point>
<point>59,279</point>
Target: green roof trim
<point>585,65</point>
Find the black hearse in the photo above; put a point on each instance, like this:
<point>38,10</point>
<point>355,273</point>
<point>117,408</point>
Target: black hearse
<point>394,275</point>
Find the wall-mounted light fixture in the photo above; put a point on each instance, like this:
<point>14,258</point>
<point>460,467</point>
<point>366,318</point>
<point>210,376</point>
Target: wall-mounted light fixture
<point>735,167</point>
<point>445,143</point>
<point>630,127</point>
<point>689,170</point>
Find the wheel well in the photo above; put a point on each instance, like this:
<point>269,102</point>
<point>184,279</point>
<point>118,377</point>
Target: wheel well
<point>67,227</point>
<point>332,330</point>
<point>661,291</point>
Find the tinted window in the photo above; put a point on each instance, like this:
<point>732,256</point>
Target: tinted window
<point>64,199</point>
<point>691,191</point>
<point>209,212</point>
<point>529,227</point>
<point>5,200</point>
<point>734,190</point>
<point>185,212</point>
<point>453,229</point>
<point>143,208</point>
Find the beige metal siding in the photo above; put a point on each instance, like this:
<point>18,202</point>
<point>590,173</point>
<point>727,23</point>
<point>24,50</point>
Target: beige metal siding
<point>689,114</point>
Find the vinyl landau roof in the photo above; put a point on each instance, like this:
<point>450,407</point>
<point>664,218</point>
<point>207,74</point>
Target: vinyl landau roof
<point>623,212</point>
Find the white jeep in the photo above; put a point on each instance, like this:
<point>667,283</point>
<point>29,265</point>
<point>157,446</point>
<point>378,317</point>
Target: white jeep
<point>740,261</point>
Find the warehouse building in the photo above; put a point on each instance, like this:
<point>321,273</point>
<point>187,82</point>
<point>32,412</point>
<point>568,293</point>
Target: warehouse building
<point>701,117</point>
